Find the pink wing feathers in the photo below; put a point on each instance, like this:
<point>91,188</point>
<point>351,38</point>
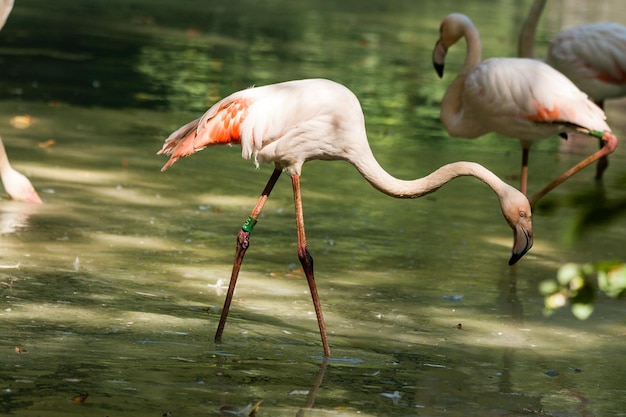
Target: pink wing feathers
<point>529,91</point>
<point>220,125</point>
<point>593,56</point>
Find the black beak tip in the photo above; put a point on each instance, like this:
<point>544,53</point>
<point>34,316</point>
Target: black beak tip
<point>516,255</point>
<point>514,258</point>
<point>438,69</point>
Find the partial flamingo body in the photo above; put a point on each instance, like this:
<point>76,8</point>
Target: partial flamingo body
<point>592,56</point>
<point>5,10</point>
<point>519,98</point>
<point>290,123</point>
<point>17,186</point>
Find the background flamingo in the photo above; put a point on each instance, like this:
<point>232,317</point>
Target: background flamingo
<point>519,98</point>
<point>17,186</point>
<point>294,122</point>
<point>592,56</point>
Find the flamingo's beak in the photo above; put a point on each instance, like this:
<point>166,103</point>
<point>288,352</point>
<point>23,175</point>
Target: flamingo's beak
<point>522,240</point>
<point>439,57</point>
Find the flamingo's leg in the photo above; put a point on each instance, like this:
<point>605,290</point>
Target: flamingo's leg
<point>610,144</point>
<point>243,241</point>
<point>307,262</point>
<point>524,175</point>
<point>602,164</point>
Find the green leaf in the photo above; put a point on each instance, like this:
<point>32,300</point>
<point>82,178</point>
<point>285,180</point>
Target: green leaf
<point>582,311</point>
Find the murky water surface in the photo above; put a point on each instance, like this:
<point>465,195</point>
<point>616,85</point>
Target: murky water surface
<point>111,291</point>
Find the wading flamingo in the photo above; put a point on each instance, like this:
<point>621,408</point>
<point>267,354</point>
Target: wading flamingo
<point>17,186</point>
<point>592,56</point>
<point>294,122</point>
<point>519,98</point>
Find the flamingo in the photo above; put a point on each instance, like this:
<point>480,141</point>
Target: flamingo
<point>5,10</point>
<point>520,98</point>
<point>293,122</point>
<point>592,56</point>
<point>17,186</point>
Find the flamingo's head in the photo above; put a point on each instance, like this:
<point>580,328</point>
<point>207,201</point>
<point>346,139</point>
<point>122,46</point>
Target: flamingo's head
<point>517,212</point>
<point>18,187</point>
<point>452,28</point>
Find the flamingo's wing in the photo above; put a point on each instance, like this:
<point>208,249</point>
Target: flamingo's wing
<point>596,50</point>
<point>527,91</point>
<point>221,124</point>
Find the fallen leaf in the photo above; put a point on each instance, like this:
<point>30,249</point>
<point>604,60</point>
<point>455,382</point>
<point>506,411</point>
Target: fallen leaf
<point>21,122</point>
<point>80,398</point>
<point>47,144</point>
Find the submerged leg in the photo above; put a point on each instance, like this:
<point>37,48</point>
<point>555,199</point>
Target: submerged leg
<point>243,241</point>
<point>610,143</point>
<point>307,262</point>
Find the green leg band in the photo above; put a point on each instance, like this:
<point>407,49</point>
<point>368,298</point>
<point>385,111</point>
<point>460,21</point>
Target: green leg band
<point>249,224</point>
<point>597,133</point>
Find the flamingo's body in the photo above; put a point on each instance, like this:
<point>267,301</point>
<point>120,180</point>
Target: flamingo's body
<point>17,186</point>
<point>592,56</point>
<point>294,122</point>
<point>519,98</point>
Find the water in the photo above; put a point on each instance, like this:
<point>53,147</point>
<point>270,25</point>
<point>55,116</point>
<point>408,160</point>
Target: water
<point>121,272</point>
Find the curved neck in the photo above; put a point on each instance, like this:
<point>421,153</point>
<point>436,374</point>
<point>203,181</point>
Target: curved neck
<point>380,179</point>
<point>452,110</point>
<point>474,48</point>
<point>526,41</point>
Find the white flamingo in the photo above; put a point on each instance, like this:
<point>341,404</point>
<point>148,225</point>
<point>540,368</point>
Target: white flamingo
<point>520,98</point>
<point>290,123</point>
<point>17,186</point>
<point>592,55</point>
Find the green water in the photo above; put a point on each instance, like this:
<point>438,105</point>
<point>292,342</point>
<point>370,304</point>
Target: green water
<point>113,288</point>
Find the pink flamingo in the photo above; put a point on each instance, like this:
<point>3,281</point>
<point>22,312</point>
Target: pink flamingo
<point>17,186</point>
<point>519,98</point>
<point>294,122</point>
<point>592,56</point>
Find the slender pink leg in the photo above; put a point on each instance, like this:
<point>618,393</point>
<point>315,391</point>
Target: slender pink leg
<point>243,241</point>
<point>524,175</point>
<point>610,143</point>
<point>603,162</point>
<point>602,165</point>
<point>307,262</point>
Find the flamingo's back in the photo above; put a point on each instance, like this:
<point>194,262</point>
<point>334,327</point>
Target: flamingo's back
<point>522,98</point>
<point>593,56</point>
<point>287,123</point>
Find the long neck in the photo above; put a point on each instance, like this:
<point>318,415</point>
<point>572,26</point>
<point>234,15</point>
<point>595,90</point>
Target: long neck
<point>380,179</point>
<point>474,48</point>
<point>4,160</point>
<point>526,41</point>
<point>452,110</point>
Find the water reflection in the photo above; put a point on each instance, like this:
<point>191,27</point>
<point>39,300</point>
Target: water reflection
<point>15,216</point>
